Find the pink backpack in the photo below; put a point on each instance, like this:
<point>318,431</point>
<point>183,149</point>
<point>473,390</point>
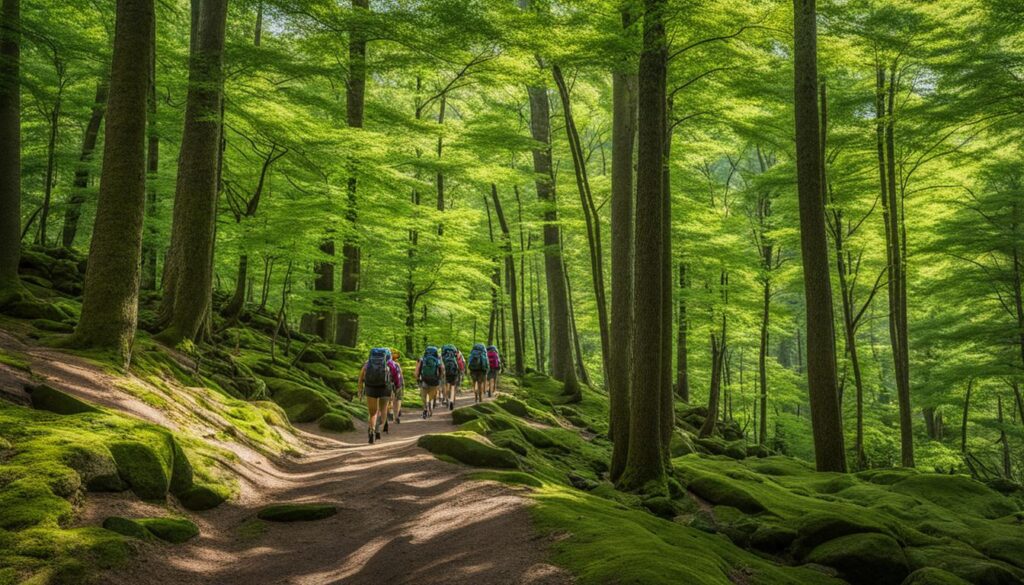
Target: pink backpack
<point>493,360</point>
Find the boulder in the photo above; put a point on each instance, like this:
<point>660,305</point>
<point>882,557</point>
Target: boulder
<point>300,404</point>
<point>296,512</point>
<point>335,422</point>
<point>145,471</point>
<point>722,491</point>
<point>126,527</point>
<point>469,448</point>
<point>44,397</point>
<point>864,559</point>
<point>198,498</point>
<point>173,530</point>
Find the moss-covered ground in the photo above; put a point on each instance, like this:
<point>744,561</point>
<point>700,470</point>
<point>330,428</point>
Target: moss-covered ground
<point>733,518</point>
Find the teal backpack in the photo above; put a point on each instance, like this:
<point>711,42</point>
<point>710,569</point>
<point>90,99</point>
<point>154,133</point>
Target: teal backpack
<point>430,367</point>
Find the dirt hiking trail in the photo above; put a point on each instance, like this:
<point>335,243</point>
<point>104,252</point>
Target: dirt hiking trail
<point>403,516</point>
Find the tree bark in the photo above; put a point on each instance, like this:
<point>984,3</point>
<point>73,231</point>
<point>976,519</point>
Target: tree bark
<point>10,150</point>
<point>73,210</point>
<point>590,217</point>
<point>645,459</point>
<point>51,151</point>
<point>562,367</point>
<point>110,302</point>
<point>188,272</point>
<point>149,240</point>
<point>624,104</point>
<point>826,421</point>
<point>510,279</point>
<point>682,351</point>
<point>963,421</point>
<point>347,332</point>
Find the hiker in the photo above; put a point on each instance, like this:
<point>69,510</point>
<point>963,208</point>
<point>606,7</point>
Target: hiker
<point>429,374</point>
<point>478,369</point>
<point>376,380</point>
<point>493,367</point>
<point>454,368</point>
<point>398,392</point>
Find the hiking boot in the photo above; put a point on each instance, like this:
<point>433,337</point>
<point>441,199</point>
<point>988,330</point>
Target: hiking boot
<point>391,416</point>
<point>385,426</point>
<point>398,420</point>
<point>371,437</point>
<point>451,406</point>
<point>377,435</point>
<point>424,414</point>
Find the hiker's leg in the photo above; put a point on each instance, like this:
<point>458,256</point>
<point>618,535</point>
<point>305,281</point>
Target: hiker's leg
<point>371,408</point>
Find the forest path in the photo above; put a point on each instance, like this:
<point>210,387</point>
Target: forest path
<point>403,517</point>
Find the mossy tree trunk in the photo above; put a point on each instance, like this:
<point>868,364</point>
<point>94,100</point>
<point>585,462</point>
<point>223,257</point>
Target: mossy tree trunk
<point>188,276</point>
<point>60,68</point>
<point>110,302</point>
<point>645,459</point>
<point>624,90</point>
<point>667,284</point>
<point>347,329</point>
<point>150,236</point>
<point>682,351</point>
<point>826,421</point>
<point>73,208</point>
<point>10,150</point>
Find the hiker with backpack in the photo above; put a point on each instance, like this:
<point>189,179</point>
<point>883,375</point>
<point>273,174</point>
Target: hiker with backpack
<point>376,381</point>
<point>493,367</point>
<point>430,374</point>
<point>454,367</point>
<point>398,392</point>
<point>478,370</point>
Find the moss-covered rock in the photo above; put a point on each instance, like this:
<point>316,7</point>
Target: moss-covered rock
<point>660,506</point>
<point>126,527</point>
<point>1006,549</point>
<point>469,448</point>
<point>820,527</point>
<point>964,562</point>
<point>513,406</point>
<point>957,492</point>
<point>682,444</point>
<point>52,326</point>
<point>300,404</point>
<point>337,423</point>
<point>96,466</point>
<point>712,445</point>
<point>720,490</point>
<point>33,309</point>
<point>736,450</point>
<point>864,559</point>
<point>199,498</point>
<point>44,397</point>
<point>933,576</point>
<point>173,530</point>
<point>143,469</point>
<point>182,473</point>
<point>296,512</point>
<point>772,538</point>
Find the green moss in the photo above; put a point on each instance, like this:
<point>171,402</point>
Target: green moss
<point>146,471</point>
<point>718,489</point>
<point>957,492</point>
<point>126,527</point>
<point>173,530</point>
<point>297,512</point>
<point>200,498</point>
<point>470,449</point>
<point>29,502</point>
<point>14,360</point>
<point>820,527</point>
<point>334,422</point>
<point>96,466</point>
<point>965,563</point>
<point>300,403</point>
<point>1009,550</point>
<point>44,397</point>
<point>512,477</point>
<point>864,558</point>
<point>933,576</point>
<point>52,326</point>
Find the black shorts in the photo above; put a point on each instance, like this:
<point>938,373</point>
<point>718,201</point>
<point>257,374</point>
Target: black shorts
<point>378,391</point>
<point>478,375</point>
<point>451,378</point>
<point>492,375</point>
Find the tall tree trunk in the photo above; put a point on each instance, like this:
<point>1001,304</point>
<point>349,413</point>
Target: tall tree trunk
<point>110,302</point>
<point>826,421</point>
<point>188,276</point>
<point>442,108</point>
<point>581,366</point>
<point>719,346</point>
<point>149,240</point>
<point>73,209</point>
<point>668,415</point>
<point>1004,442</point>
<point>510,279</point>
<point>51,152</point>
<point>351,268</point>
<point>10,151</point>
<point>645,459</point>
<point>590,217</point>
<point>963,421</point>
<point>562,367</point>
<point>624,104</point>
<point>762,362</point>
<point>682,351</point>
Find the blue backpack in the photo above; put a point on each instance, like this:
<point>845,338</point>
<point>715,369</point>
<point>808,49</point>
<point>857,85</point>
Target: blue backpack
<point>450,356</point>
<point>377,371</point>
<point>430,367</point>
<point>478,358</point>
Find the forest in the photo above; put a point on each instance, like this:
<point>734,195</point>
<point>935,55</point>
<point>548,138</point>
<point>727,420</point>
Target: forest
<point>755,270</point>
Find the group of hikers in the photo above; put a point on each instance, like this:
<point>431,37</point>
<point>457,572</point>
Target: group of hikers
<point>439,374</point>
